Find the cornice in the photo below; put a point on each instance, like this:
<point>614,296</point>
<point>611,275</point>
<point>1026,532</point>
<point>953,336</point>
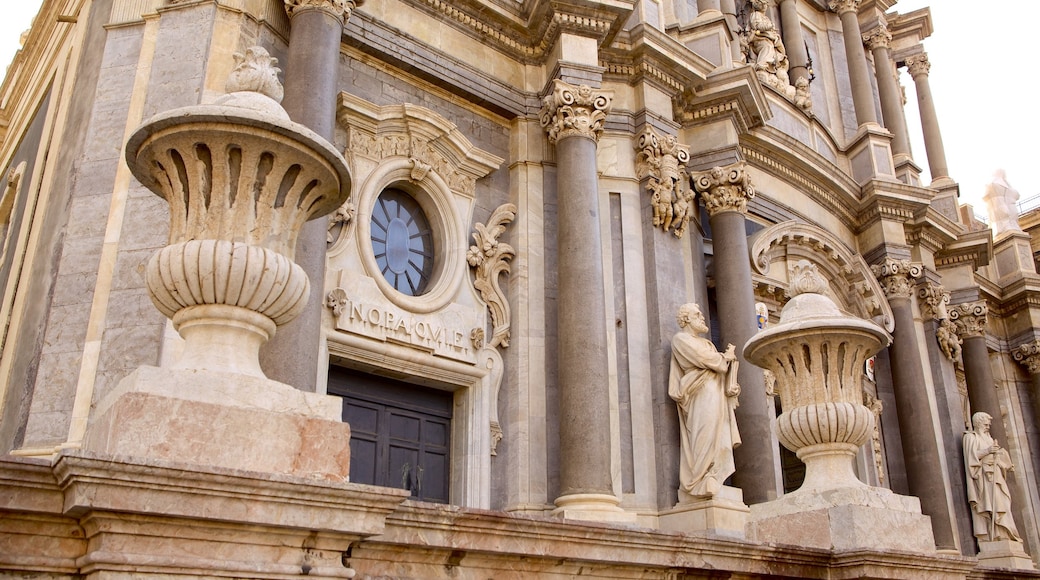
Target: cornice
<point>891,201</point>
<point>645,53</point>
<point>910,29</point>
<point>974,247</point>
<point>735,93</point>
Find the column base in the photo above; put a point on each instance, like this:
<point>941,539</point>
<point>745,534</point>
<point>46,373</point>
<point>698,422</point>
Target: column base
<point>854,518</point>
<point>233,421</point>
<point>593,507</point>
<point>1004,554</point>
<point>723,514</point>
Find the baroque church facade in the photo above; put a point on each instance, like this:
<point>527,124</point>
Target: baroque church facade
<point>411,315</point>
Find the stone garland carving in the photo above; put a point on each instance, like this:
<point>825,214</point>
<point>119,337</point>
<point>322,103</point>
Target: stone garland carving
<point>875,406</point>
<point>970,319</point>
<point>724,188</point>
<point>936,299</point>
<point>764,50</point>
<point>896,276</point>
<point>490,258</point>
<point>663,160</point>
<point>571,110</point>
<point>1028,354</point>
<point>338,8</point>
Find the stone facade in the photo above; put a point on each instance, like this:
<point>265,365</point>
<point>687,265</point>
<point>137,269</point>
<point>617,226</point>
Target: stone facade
<point>535,188</point>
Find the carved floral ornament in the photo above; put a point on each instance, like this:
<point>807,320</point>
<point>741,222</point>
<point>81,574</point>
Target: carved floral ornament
<point>575,111</point>
<point>489,259</point>
<point>842,6</point>
<point>878,37</point>
<point>724,188</point>
<point>897,276</point>
<point>918,65</point>
<point>341,9</point>
<point>1029,355</point>
<point>970,319</point>
<point>662,159</point>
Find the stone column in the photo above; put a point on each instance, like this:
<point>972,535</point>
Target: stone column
<point>1029,355</point>
<point>859,74</point>
<point>920,450</point>
<point>729,8</point>
<point>705,5</point>
<point>879,40</point>
<point>294,355</point>
<point>725,193</point>
<point>919,66</point>
<point>970,320</point>
<point>573,116</point>
<point>797,54</point>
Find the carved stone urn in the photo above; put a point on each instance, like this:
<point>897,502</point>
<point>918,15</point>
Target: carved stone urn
<point>817,354</point>
<point>241,179</point>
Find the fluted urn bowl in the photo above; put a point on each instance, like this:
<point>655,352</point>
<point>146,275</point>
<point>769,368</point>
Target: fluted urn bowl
<point>241,179</point>
<point>817,354</point>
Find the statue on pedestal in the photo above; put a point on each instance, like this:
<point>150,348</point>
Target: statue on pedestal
<point>987,464</point>
<point>1001,203</point>
<point>703,382</point>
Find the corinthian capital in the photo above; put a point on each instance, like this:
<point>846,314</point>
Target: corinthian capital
<point>918,65</point>
<point>724,188</point>
<point>878,37</point>
<point>969,318</point>
<point>575,111</point>
<point>1029,355</point>
<point>842,6</point>
<point>340,9</point>
<point>936,298</point>
<point>896,277</point>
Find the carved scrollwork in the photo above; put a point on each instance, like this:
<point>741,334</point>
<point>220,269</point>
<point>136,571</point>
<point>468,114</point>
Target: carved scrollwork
<point>571,110</point>
<point>724,188</point>
<point>339,220</point>
<point>897,276</point>
<point>662,159</point>
<point>490,258</point>
<point>338,8</point>
<point>841,6</point>
<point>1028,354</point>
<point>336,300</point>
<point>918,65</point>
<point>970,319</point>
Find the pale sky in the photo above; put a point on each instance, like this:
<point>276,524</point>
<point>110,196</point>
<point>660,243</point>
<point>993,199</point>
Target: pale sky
<point>979,79</point>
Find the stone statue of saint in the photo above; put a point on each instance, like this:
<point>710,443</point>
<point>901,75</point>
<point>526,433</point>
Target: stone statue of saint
<point>987,464</point>
<point>703,382</point>
<point>1002,203</point>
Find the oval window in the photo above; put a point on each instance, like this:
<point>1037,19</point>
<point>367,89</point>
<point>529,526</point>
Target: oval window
<point>402,242</point>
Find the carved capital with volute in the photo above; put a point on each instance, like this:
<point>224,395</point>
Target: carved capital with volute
<point>724,189</point>
<point>662,160</point>
<point>936,300</point>
<point>918,65</point>
<point>877,37</point>
<point>340,9</point>
<point>842,6</point>
<point>575,111</point>
<point>1029,355</point>
<point>896,277</point>
<point>970,319</point>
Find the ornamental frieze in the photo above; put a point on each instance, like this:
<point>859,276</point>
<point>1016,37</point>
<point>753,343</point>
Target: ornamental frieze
<point>421,153</point>
<point>662,160</point>
<point>575,111</point>
<point>897,276</point>
<point>724,189</point>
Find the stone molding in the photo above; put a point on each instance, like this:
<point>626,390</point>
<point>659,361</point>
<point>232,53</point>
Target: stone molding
<point>843,6</point>
<point>724,189</point>
<point>575,111</point>
<point>970,319</point>
<point>662,159</point>
<point>1028,354</point>
<point>489,259</point>
<point>896,277</point>
<point>338,9</point>
<point>918,65</point>
<point>878,37</point>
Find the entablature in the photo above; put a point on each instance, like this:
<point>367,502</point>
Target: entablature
<point>975,247</point>
<point>734,93</point>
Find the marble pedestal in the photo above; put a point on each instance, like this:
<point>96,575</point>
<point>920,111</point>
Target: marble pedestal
<point>232,421</point>
<point>1004,554</point>
<point>593,507</point>
<point>845,518</point>
<point>723,514</point>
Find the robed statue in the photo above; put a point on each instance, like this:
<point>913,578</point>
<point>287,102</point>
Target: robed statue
<point>987,464</point>
<point>703,382</point>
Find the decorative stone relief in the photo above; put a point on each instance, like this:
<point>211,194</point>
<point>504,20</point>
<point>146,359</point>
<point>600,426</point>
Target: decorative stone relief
<point>489,259</point>
<point>935,300</point>
<point>970,319</point>
<point>764,50</point>
<point>339,220</point>
<point>875,406</point>
<point>986,464</point>
<point>337,301</point>
<point>802,96</point>
<point>897,276</point>
<point>918,65</point>
<point>663,160</point>
<point>962,392</point>
<point>1028,354</point>
<point>724,188</point>
<point>877,37</point>
<point>571,110</point>
<point>339,8</point>
<point>841,6</point>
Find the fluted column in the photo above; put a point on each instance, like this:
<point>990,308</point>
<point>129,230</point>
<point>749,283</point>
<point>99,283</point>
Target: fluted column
<point>294,355</point>
<point>573,116</point>
<point>797,54</point>
<point>725,192</point>
<point>918,66</point>
<point>878,41</point>
<point>1029,355</point>
<point>859,74</point>
<point>970,320</point>
<point>920,451</point>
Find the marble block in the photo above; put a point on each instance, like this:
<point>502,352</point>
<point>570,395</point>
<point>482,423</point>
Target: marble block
<point>847,518</point>
<point>593,507</point>
<point>723,514</point>
<point>1004,554</point>
<point>225,420</point>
